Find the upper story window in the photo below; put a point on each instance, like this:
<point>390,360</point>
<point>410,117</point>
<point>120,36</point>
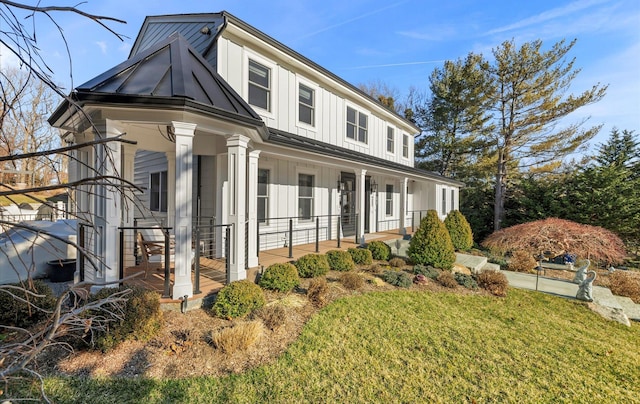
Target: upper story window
<point>263,195</point>
<point>259,85</point>
<point>405,146</point>
<point>306,105</point>
<point>389,200</point>
<point>357,123</point>
<point>158,191</point>
<point>390,141</point>
<point>305,196</point>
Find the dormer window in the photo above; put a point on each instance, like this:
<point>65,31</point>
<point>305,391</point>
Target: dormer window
<point>357,124</point>
<point>259,85</point>
<point>306,105</point>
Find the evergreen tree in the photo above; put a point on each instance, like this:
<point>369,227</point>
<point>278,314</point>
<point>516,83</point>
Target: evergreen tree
<point>459,230</point>
<point>431,243</point>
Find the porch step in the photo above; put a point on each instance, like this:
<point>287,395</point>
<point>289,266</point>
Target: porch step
<point>473,262</point>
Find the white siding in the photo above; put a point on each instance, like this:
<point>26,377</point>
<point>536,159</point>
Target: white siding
<point>147,162</point>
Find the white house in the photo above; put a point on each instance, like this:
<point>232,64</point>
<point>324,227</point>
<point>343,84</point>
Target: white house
<point>221,120</point>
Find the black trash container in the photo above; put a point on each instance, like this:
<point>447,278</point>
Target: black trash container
<point>61,270</point>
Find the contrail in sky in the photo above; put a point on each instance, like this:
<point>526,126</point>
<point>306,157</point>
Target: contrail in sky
<point>394,64</point>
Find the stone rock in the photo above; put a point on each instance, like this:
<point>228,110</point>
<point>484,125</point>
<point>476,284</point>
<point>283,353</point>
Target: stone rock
<point>610,313</point>
<point>460,269</point>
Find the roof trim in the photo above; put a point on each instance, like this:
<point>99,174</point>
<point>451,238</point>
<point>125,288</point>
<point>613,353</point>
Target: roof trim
<point>282,138</point>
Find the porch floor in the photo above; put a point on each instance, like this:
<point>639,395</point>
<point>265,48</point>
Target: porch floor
<point>213,275</point>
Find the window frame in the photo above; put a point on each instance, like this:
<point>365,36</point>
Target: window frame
<point>444,201</point>
<point>405,146</point>
<point>310,198</point>
<point>391,140</point>
<point>357,127</point>
<point>268,89</point>
<point>266,197</point>
<point>312,108</point>
<point>157,196</point>
<point>388,200</point>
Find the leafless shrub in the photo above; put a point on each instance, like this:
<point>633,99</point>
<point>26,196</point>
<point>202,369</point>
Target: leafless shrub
<point>317,292</point>
<point>239,337</point>
<point>273,316</point>
<point>493,281</point>
<point>446,279</point>
<point>623,284</point>
<point>521,261</point>
<point>352,280</point>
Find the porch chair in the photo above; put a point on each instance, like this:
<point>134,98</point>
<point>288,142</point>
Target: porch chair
<point>151,253</point>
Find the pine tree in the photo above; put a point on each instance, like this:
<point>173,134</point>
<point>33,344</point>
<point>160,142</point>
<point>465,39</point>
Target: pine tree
<point>459,230</point>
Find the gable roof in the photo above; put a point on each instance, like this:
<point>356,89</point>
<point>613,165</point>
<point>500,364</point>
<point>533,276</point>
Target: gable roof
<point>169,73</point>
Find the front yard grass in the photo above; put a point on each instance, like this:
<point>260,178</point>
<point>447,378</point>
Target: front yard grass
<point>411,346</point>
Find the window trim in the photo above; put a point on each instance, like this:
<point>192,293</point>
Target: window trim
<point>313,197</point>
<point>444,201</point>
<point>160,191</point>
<point>356,125</point>
<point>314,107</point>
<point>273,81</point>
<point>405,146</point>
<point>391,141</point>
<point>267,212</point>
<point>388,200</point>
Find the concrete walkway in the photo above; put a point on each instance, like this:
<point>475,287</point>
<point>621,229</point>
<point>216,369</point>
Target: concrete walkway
<point>607,303</point>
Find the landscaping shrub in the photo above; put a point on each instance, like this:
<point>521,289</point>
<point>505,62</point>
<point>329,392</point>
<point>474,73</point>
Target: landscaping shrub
<point>312,265</point>
<point>340,260</point>
<point>376,268</point>
<point>361,256</point>
<point>352,280</point>
<point>142,318</point>
<point>420,279</point>
<point>282,277</point>
<point>397,262</point>
<point>459,230</point>
<point>397,278</point>
<point>318,291</point>
<point>427,270</point>
<point>239,337</point>
<point>273,315</point>
<point>521,261</point>
<point>238,299</point>
<point>623,284</point>
<point>466,280</point>
<point>16,313</point>
<point>493,281</point>
<point>379,250</point>
<point>447,280</point>
<point>431,243</point>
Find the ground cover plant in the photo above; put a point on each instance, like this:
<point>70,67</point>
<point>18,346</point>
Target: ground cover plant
<point>438,347</point>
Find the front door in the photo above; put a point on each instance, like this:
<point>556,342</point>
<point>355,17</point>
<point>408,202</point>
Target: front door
<point>348,203</point>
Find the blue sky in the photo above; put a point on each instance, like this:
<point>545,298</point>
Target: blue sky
<point>396,42</point>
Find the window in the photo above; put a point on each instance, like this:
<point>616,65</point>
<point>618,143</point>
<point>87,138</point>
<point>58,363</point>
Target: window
<point>259,85</point>
<point>158,192</point>
<point>405,146</point>
<point>444,201</point>
<point>306,105</point>
<point>389,200</point>
<point>357,123</point>
<point>390,139</point>
<point>453,198</point>
<point>263,195</point>
<point>305,196</point>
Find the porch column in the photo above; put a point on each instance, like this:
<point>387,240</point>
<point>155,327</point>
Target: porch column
<point>171,189</point>
<point>108,205</point>
<point>403,205</point>
<point>128,210</point>
<point>184,133</point>
<point>252,206</point>
<point>237,185</point>
<point>360,191</point>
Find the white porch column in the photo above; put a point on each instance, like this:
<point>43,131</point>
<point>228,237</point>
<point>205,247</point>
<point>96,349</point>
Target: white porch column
<point>252,205</point>
<point>108,205</point>
<point>403,205</point>
<point>184,133</point>
<point>128,209</point>
<point>237,184</point>
<point>171,191</point>
<point>360,191</point>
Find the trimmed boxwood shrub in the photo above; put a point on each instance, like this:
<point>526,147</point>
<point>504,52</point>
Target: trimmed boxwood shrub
<point>282,277</point>
<point>238,299</point>
<point>459,230</point>
<point>142,318</point>
<point>340,260</point>
<point>361,256</point>
<point>431,243</point>
<point>17,313</point>
<point>427,270</point>
<point>379,250</point>
<point>397,278</point>
<point>312,265</point>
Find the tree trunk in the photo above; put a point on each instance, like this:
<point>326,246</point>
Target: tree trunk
<point>500,187</point>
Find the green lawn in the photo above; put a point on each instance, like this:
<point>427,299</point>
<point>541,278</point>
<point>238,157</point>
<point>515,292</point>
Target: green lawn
<point>408,346</point>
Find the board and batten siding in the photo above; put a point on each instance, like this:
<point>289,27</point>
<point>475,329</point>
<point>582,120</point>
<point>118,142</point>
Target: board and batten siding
<point>330,108</point>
